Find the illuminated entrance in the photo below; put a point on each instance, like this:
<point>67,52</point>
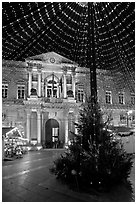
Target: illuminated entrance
<point>52,133</point>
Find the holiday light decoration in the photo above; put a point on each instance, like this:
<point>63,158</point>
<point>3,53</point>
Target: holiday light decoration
<point>33,28</point>
<point>30,29</point>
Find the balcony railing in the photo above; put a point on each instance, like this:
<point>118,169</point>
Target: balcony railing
<point>12,101</point>
<point>52,100</point>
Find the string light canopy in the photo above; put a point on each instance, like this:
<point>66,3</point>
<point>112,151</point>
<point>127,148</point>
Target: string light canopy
<point>33,28</point>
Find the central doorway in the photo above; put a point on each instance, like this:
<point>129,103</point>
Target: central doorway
<point>52,133</point>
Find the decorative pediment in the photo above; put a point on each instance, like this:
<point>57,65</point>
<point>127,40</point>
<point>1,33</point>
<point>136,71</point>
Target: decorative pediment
<point>21,81</point>
<point>52,77</point>
<point>50,58</point>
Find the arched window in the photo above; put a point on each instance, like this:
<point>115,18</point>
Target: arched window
<point>52,88</point>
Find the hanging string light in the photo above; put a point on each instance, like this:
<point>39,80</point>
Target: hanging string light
<point>33,28</point>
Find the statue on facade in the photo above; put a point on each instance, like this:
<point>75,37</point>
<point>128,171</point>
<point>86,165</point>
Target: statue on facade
<point>70,93</point>
<point>33,92</point>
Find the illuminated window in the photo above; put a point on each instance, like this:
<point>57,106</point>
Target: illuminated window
<point>108,97</point>
<point>133,117</point>
<point>123,118</point>
<point>69,79</point>
<point>80,93</point>
<point>121,98</point>
<point>52,89</point>
<point>4,91</point>
<point>55,132</point>
<point>21,92</point>
<point>132,98</point>
<point>34,77</point>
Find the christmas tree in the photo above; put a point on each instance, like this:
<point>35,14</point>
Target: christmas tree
<point>93,160</point>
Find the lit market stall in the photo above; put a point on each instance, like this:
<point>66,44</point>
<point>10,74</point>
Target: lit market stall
<point>12,141</point>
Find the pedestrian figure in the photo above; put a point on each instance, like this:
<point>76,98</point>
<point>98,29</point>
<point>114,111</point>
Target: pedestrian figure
<point>9,152</point>
<point>53,142</point>
<point>56,142</point>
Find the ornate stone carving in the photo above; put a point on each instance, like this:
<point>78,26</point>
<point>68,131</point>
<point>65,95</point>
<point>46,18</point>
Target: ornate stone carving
<point>39,69</point>
<point>52,60</point>
<point>64,69</point>
<point>29,69</point>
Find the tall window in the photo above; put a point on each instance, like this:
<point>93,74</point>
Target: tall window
<point>55,132</point>
<point>123,118</point>
<point>133,118</point>
<point>34,77</point>
<point>121,98</point>
<point>21,92</point>
<point>69,79</point>
<point>108,97</point>
<point>4,91</point>
<point>132,98</point>
<point>52,89</point>
<point>80,95</point>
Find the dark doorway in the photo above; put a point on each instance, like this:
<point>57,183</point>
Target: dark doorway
<point>52,133</point>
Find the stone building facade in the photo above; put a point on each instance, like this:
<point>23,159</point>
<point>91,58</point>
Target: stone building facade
<point>42,97</point>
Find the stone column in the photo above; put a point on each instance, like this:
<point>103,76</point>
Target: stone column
<point>39,127</point>
<point>73,84</point>
<point>57,90</point>
<point>46,89</point>
<point>39,84</point>
<point>29,83</point>
<point>28,127</point>
<point>42,128</point>
<point>60,94</point>
<point>64,85</point>
<point>76,121</point>
<point>66,130</point>
<point>42,87</point>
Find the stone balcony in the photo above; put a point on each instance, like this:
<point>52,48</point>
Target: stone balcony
<point>69,100</point>
<point>58,100</point>
<point>39,100</point>
<point>52,100</point>
<point>12,101</point>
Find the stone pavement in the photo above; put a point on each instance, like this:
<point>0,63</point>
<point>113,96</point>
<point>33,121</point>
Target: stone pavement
<point>29,180</point>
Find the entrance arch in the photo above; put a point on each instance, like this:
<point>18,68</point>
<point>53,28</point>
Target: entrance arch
<point>52,133</point>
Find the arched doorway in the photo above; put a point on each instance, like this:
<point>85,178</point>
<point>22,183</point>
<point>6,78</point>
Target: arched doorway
<point>52,133</point>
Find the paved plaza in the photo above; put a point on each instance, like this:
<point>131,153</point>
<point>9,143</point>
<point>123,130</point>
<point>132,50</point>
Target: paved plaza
<point>29,180</point>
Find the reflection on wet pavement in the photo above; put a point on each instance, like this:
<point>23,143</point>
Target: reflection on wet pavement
<point>30,178</point>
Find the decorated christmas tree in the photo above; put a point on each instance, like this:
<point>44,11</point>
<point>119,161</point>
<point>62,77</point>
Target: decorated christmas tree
<point>93,160</point>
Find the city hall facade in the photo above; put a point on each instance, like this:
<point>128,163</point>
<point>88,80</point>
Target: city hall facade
<point>42,97</point>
